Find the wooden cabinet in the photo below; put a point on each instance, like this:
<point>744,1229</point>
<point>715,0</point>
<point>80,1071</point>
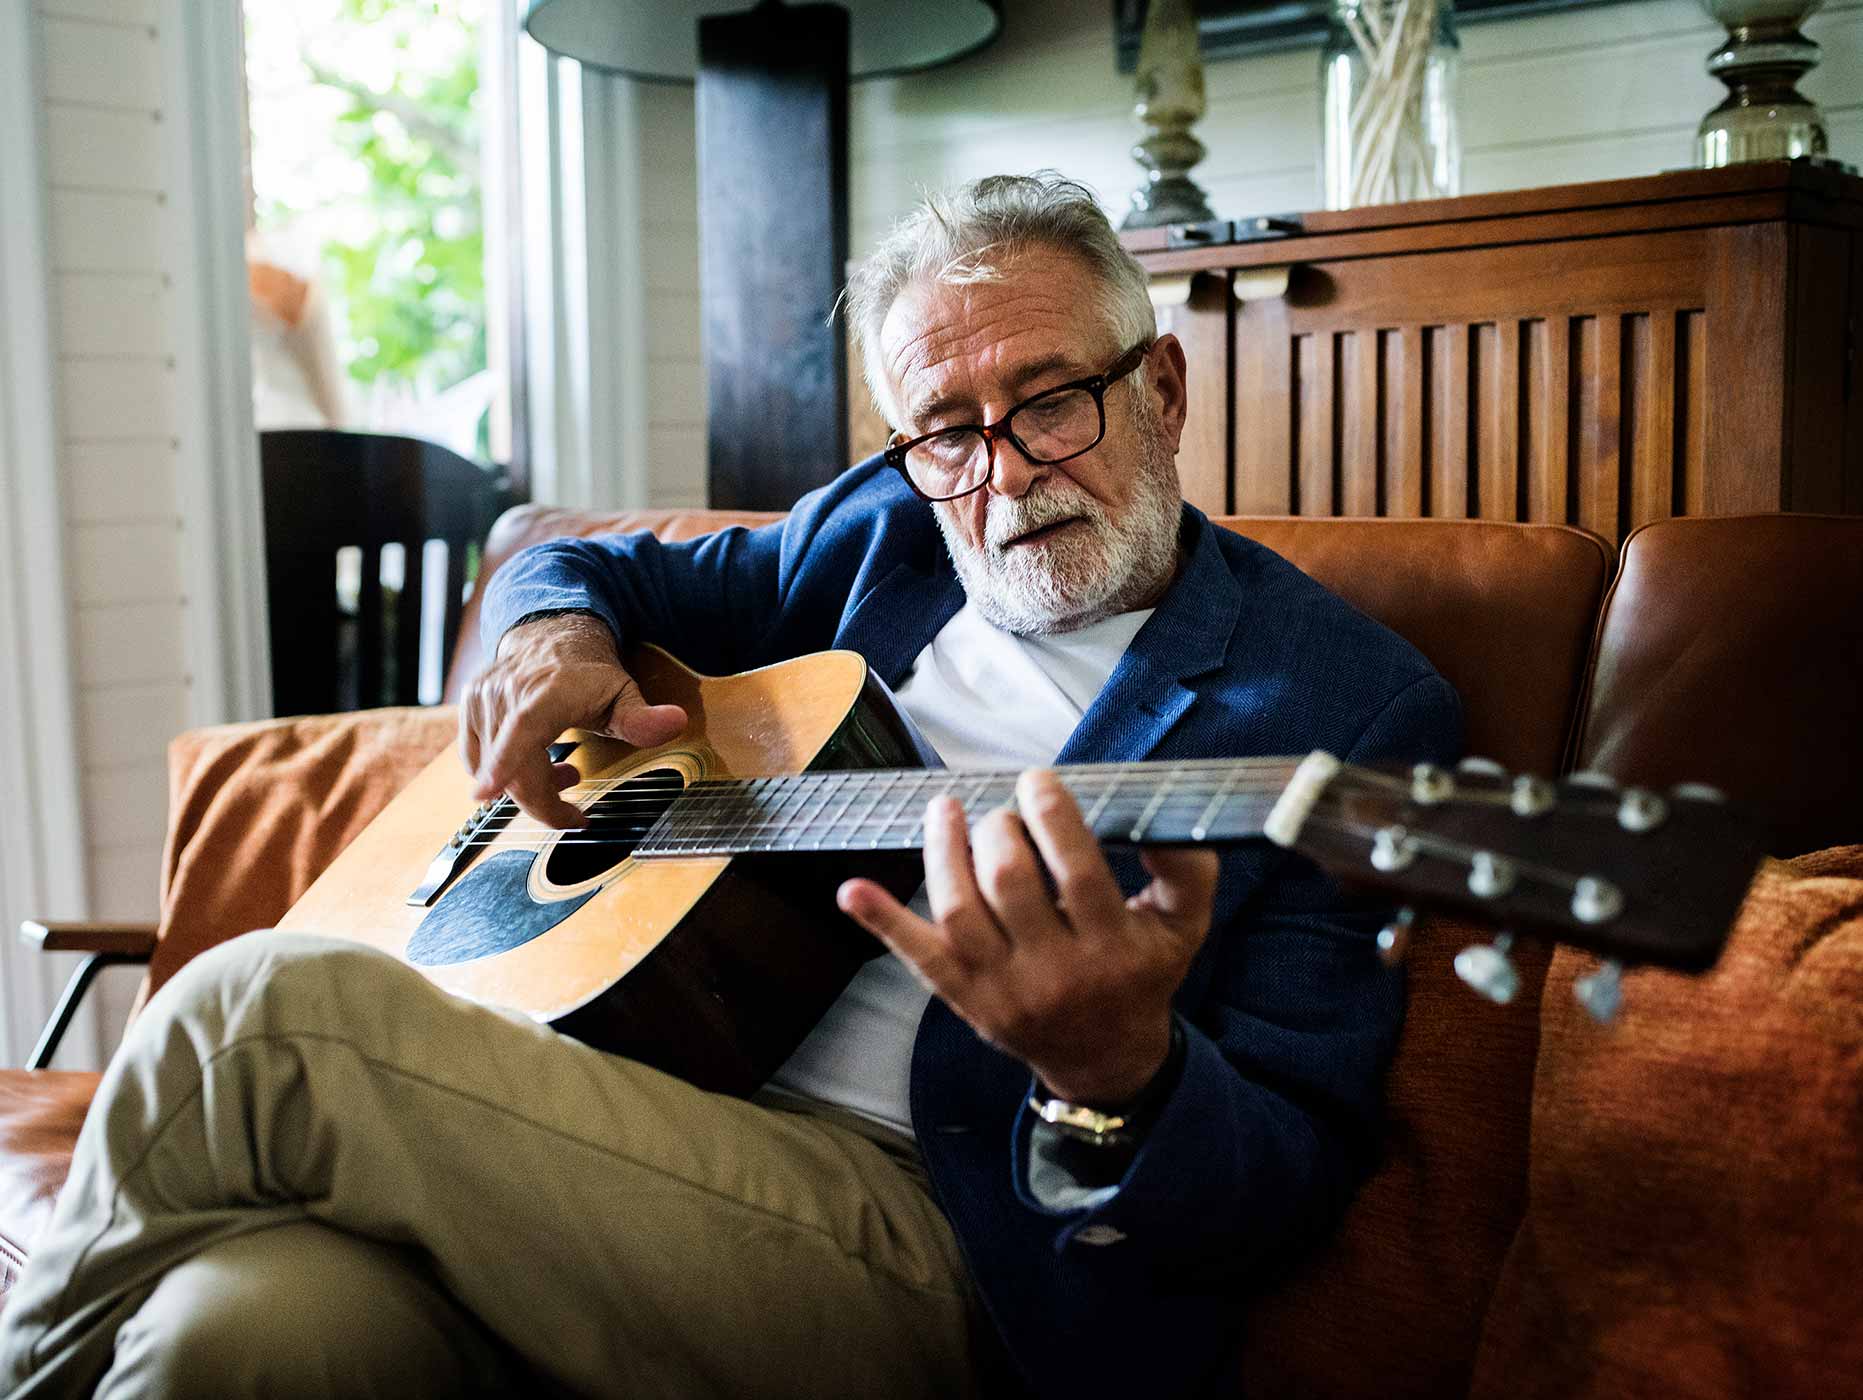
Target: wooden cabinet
<point>1601,354</point>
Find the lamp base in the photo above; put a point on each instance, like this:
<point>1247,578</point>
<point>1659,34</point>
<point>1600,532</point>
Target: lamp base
<point>1765,117</point>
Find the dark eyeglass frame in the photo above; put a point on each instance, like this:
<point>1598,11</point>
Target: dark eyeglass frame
<point>992,433</point>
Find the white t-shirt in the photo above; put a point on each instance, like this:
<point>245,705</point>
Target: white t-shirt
<point>984,698</point>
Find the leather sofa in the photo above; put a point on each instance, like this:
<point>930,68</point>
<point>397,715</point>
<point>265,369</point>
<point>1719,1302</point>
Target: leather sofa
<point>1672,1204</point>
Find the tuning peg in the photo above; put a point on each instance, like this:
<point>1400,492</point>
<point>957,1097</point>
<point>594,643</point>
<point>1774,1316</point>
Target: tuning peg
<point>1430,785</point>
<point>1602,992</point>
<point>1590,778</point>
<point>1394,937</point>
<point>1487,968</point>
<point>1392,848</point>
<point>1639,809</point>
<point>1531,796</point>
<point>1481,767</point>
<point>1697,792</point>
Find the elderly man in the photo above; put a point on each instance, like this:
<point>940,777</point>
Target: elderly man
<point>1047,1143</point>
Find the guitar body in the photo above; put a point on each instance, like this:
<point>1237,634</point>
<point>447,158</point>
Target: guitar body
<point>712,968</point>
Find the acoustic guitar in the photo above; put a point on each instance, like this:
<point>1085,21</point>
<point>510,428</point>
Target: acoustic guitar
<point>691,923</point>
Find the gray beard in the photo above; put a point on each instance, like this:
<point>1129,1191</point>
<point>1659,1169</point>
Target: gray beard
<point>1087,575</point>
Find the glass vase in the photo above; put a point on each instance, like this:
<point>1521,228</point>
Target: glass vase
<point>1388,99</point>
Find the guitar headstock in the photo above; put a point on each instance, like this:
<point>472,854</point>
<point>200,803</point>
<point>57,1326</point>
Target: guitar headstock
<point>1631,873</point>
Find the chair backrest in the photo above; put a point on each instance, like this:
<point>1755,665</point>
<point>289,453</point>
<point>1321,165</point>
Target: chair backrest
<point>1504,611</point>
<point>1731,653</point>
<point>327,491</point>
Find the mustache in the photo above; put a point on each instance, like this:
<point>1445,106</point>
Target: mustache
<point>1010,517</point>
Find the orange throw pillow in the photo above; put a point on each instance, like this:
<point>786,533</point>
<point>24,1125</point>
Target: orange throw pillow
<point>1694,1221</point>
<point>256,811</point>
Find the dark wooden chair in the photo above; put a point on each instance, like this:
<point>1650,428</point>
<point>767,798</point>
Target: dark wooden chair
<point>326,491</point>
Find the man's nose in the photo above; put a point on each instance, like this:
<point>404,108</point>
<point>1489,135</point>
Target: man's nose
<point>1011,473</point>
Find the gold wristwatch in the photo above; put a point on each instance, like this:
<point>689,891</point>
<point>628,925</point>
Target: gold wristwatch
<point>1117,1127</point>
<point>1079,1121</point>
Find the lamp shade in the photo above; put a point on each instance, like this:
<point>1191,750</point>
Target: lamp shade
<point>658,39</point>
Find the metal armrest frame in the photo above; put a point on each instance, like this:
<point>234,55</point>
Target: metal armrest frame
<point>109,945</point>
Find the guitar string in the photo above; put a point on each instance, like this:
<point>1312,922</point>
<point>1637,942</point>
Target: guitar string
<point>736,817</point>
<point>694,798</point>
<point>1329,815</point>
<point>612,797</point>
<point>1234,805</point>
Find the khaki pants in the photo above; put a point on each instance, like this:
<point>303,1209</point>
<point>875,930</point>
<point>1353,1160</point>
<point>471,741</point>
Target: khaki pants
<point>310,1173</point>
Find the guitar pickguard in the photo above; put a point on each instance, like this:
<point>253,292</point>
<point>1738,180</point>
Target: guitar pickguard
<point>489,911</point>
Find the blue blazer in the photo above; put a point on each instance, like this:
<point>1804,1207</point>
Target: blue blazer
<point>1289,1018</point>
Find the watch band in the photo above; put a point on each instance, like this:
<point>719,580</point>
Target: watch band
<point>1124,1125</point>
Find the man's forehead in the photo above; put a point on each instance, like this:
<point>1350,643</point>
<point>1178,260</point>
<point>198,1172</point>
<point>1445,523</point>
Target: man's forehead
<point>938,339</point>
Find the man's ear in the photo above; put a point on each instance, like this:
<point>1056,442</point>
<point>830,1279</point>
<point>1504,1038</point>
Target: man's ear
<point>1166,375</point>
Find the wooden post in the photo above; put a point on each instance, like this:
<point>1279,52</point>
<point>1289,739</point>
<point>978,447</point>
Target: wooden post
<point>772,139</point>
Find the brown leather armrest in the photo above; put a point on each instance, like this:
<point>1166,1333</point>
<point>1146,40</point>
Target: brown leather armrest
<point>126,940</point>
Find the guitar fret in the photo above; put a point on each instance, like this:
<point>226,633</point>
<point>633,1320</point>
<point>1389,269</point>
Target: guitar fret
<point>1105,797</point>
<point>886,823</point>
<point>1143,824</point>
<point>1201,827</point>
<point>751,806</point>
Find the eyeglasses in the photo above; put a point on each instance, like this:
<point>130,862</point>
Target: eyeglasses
<point>1053,426</point>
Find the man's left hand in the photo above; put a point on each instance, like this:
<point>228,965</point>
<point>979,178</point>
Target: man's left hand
<point>1075,980</point>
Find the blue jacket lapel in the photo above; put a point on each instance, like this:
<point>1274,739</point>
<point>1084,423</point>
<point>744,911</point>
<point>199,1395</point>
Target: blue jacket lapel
<point>899,617</point>
<point>1187,636</point>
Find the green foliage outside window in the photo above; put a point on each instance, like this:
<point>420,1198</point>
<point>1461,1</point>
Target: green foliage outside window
<point>407,267</point>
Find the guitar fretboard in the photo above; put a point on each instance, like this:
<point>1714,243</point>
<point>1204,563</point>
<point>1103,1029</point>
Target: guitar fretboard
<point>1214,801</point>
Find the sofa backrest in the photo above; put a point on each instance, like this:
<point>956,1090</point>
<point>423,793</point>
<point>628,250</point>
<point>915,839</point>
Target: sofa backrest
<point>1504,611</point>
<point>1731,653</point>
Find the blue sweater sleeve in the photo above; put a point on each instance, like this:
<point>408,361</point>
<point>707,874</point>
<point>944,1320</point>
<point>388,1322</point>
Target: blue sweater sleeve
<point>728,601</point>
<point>1275,1115</point>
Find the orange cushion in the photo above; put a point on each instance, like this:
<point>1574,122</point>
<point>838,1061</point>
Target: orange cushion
<point>256,811</point>
<point>1695,1215</point>
<point>1391,1304</point>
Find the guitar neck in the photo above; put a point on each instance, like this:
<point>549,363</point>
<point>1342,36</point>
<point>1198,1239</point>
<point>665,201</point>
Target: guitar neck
<point>1213,801</point>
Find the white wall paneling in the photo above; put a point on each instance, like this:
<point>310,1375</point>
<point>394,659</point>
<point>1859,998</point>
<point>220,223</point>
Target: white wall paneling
<point>42,840</point>
<point>154,506</point>
<point>222,519</point>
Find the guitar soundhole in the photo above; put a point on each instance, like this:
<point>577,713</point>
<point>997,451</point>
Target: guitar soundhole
<point>618,819</point>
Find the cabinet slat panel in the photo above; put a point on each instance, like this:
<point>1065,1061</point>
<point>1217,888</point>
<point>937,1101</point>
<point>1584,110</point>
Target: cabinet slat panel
<point>1314,394</point>
<point>1691,374</point>
<point>1363,409</point>
<point>1601,339</point>
<point>1266,409</point>
<point>1450,488</point>
<point>1540,405</point>
<point>1496,350</point>
<point>1435,418</point>
<point>1652,473</point>
<point>1407,414</point>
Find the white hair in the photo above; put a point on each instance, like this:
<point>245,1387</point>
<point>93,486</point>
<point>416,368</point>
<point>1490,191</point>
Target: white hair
<point>970,234</point>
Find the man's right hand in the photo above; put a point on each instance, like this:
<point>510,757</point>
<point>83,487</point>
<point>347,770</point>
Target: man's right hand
<point>552,674</point>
